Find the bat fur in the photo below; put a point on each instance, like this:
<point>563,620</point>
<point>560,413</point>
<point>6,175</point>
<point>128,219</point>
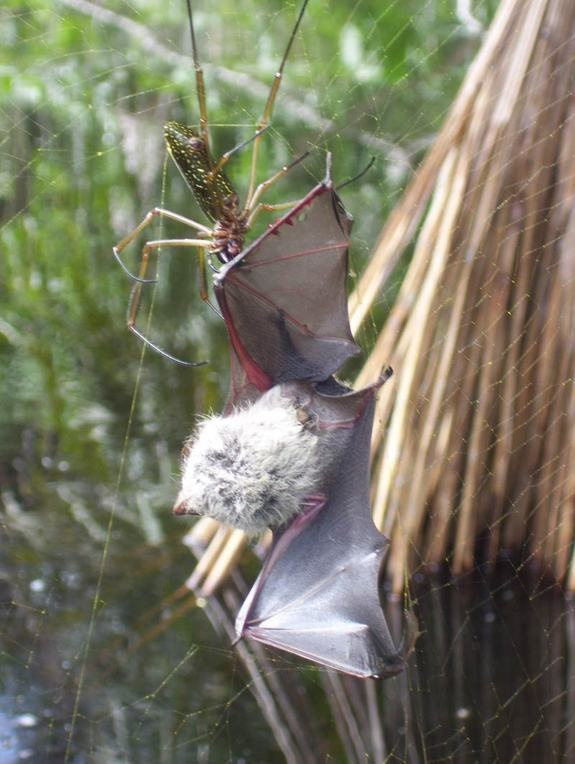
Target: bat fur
<point>252,469</point>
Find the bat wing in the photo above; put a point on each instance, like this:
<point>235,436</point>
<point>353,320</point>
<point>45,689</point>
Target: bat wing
<point>284,298</point>
<point>318,593</point>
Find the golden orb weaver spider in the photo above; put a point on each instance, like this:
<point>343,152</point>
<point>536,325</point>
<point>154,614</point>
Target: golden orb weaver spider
<point>214,192</point>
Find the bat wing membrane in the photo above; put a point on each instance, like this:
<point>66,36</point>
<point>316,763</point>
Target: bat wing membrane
<point>284,298</point>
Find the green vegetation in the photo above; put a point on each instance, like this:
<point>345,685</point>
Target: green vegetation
<point>84,91</point>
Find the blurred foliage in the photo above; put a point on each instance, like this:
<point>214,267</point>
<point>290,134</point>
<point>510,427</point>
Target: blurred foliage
<point>84,91</point>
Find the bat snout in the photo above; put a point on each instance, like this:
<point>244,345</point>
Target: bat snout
<point>179,509</point>
<point>181,506</point>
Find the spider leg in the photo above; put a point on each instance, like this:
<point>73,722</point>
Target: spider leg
<point>226,156</point>
<point>135,296</point>
<point>267,113</point>
<point>252,205</point>
<point>358,176</point>
<point>152,214</point>
<point>200,85</point>
<point>270,208</point>
<point>203,267</point>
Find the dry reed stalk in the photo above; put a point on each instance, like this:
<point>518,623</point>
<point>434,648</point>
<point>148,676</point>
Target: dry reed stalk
<point>403,221</point>
<point>507,382</point>
<point>226,559</point>
<point>201,532</point>
<point>483,147</point>
<point>209,556</point>
<point>567,525</point>
<point>458,280</point>
<point>474,435</point>
<point>564,213</point>
<point>417,320</point>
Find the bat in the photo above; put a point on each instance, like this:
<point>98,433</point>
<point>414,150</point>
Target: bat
<point>284,298</point>
<point>297,460</point>
<point>291,451</point>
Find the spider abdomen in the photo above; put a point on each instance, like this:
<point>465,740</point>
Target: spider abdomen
<point>213,191</point>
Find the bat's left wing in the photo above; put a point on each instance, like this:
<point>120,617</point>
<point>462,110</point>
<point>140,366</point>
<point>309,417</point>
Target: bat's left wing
<point>318,593</point>
<point>284,298</point>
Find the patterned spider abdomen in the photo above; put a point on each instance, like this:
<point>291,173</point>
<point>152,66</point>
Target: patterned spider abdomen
<point>215,194</point>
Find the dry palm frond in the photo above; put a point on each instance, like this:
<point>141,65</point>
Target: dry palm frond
<point>476,436</point>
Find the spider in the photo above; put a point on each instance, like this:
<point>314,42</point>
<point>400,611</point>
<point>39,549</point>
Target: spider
<point>230,218</point>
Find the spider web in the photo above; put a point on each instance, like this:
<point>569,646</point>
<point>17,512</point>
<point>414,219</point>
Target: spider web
<point>105,656</point>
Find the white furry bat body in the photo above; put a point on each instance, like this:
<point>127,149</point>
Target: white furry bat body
<point>254,468</point>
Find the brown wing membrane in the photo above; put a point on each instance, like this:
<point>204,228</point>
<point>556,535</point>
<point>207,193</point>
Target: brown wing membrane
<point>284,298</point>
